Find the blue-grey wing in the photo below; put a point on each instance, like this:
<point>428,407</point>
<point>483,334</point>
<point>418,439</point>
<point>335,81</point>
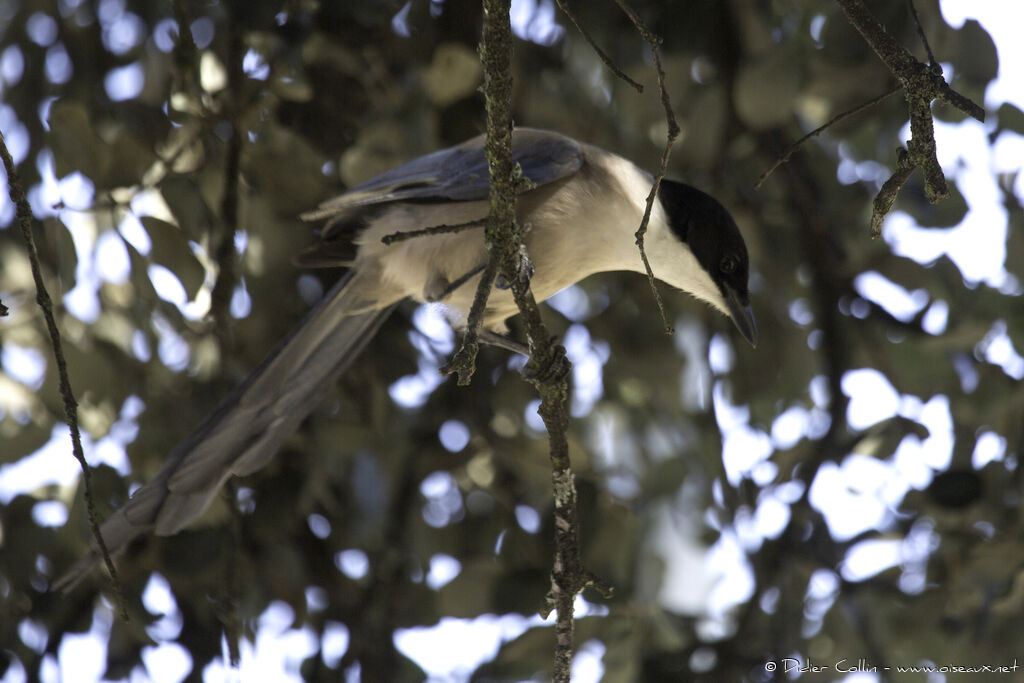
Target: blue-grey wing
<point>460,173</point>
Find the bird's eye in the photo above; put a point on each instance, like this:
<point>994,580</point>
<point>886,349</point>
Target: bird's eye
<point>728,264</point>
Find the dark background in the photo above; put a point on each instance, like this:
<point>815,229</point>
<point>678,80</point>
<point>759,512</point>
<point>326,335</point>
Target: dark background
<point>314,96</point>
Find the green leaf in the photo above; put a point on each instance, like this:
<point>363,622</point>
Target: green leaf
<point>944,214</point>
<point>57,250</point>
<point>977,60</point>
<point>76,147</point>
<point>185,199</point>
<point>172,250</point>
<point>115,160</point>
<point>765,91</point>
<point>1010,118</point>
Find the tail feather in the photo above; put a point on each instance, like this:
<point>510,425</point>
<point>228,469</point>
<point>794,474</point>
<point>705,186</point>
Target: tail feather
<point>249,426</point>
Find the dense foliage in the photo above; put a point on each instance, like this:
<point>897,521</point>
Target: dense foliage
<point>890,383</point>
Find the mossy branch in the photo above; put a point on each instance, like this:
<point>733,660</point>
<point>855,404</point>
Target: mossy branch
<point>921,83</point>
<point>24,215</point>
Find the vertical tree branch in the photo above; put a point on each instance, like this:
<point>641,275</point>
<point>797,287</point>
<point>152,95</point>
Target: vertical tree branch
<point>186,66</point>
<point>24,213</point>
<point>224,251</point>
<point>548,368</point>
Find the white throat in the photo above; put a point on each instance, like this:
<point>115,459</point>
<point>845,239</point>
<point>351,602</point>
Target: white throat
<point>670,258</point>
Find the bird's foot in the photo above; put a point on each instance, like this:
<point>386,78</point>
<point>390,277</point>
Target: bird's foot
<point>504,342</point>
<point>554,367</point>
<point>439,288</point>
<point>524,270</point>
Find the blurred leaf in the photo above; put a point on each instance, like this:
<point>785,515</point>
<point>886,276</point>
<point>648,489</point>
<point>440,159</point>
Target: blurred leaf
<point>882,438</point>
<point>454,73</point>
<point>977,60</point>
<point>170,249</point>
<point>285,169</point>
<point>292,85</point>
<point>841,44</point>
<point>608,548</point>
<point>944,214</point>
<point>519,659</point>
<point>380,146</point>
<point>665,478</point>
<point>118,160</point>
<point>955,489</point>
<point>1010,118</point>
<point>187,203</point>
<point>703,134</point>
<point>765,91</point>
<point>21,439</point>
<point>76,147</point>
<point>466,595</point>
<point>370,12</point>
<point>624,648</point>
<point>57,250</point>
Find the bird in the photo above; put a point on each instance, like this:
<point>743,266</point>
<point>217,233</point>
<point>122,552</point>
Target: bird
<point>579,212</point>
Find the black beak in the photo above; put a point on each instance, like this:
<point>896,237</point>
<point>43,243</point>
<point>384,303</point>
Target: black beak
<point>741,315</point>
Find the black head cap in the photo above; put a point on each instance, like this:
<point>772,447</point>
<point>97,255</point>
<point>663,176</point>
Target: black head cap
<point>710,232</point>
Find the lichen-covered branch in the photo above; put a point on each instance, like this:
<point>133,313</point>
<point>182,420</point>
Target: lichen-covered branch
<point>922,83</point>
<point>887,194</point>
<point>548,368</point>
<point>24,215</point>
<point>403,235</point>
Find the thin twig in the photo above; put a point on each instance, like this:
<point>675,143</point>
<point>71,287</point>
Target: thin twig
<point>673,133</point>
<point>433,230</point>
<point>817,131</point>
<point>226,257</point>
<point>225,254</point>
<point>227,600</point>
<point>922,36</point>
<point>457,282</point>
<point>887,194</point>
<point>152,179</point>
<point>600,53</point>
<point>548,368</point>
<point>24,213</point>
<point>184,55</point>
<point>496,58</point>
<point>921,85</point>
<point>463,363</point>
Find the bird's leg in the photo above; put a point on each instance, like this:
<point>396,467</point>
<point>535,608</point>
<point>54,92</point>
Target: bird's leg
<point>504,342</point>
<point>438,289</point>
<point>524,270</point>
<point>555,366</point>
